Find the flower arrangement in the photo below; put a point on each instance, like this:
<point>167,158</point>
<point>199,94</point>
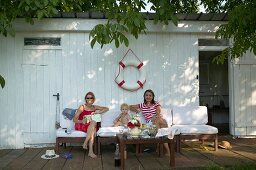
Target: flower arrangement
<point>134,121</point>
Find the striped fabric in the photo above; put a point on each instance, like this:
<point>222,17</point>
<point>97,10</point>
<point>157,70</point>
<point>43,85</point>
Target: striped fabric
<point>148,111</point>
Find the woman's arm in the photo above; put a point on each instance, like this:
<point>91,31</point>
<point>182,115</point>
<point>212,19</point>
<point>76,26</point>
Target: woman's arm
<point>78,112</point>
<point>134,108</point>
<point>158,112</point>
<point>102,109</point>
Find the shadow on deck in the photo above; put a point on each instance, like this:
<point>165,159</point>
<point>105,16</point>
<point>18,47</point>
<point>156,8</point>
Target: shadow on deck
<point>193,156</point>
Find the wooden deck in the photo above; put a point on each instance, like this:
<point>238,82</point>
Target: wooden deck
<point>193,156</point>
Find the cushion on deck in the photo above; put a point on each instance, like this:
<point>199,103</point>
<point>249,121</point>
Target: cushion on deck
<point>74,133</point>
<point>190,115</point>
<point>196,129</point>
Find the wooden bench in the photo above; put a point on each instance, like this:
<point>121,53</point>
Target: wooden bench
<point>191,122</point>
<point>63,137</point>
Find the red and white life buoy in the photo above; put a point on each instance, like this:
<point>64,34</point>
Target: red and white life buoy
<point>133,85</point>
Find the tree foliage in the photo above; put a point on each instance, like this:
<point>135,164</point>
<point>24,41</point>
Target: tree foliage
<point>125,16</point>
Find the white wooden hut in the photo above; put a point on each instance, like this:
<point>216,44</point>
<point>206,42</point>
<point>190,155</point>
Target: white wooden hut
<point>54,56</point>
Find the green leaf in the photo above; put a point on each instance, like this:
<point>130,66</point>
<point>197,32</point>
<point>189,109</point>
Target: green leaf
<point>21,3</point>
<point>174,19</point>
<point>126,41</point>
<point>93,42</point>
<point>116,42</point>
<point>38,4</point>
<point>45,2</point>
<point>26,8</point>
<point>28,1</point>
<point>2,81</point>
<point>136,22</point>
<point>40,14</point>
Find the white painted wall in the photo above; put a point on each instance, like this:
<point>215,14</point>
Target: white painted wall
<point>27,105</point>
<point>243,78</point>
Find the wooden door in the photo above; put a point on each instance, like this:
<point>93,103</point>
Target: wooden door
<point>42,78</point>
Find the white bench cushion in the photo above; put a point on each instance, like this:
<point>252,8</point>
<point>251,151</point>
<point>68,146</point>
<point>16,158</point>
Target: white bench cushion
<point>190,115</point>
<point>74,133</point>
<point>167,115</point>
<point>196,129</point>
<point>108,117</point>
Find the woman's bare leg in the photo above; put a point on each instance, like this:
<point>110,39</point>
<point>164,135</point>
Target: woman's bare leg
<point>90,130</point>
<point>161,123</point>
<point>91,140</point>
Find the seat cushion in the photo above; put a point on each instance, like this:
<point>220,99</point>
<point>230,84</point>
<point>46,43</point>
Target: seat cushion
<point>110,131</point>
<point>108,117</point>
<point>196,129</point>
<point>74,133</point>
<point>167,115</point>
<point>190,115</point>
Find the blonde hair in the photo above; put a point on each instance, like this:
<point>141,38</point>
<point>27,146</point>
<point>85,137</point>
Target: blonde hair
<point>124,105</point>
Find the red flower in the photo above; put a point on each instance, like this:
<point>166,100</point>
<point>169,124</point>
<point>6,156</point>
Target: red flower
<point>130,125</point>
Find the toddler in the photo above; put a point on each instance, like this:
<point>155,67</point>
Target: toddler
<point>124,117</point>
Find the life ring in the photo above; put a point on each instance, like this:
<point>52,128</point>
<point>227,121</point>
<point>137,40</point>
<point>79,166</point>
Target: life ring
<point>131,86</point>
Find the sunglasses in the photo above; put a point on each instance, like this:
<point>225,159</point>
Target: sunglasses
<point>89,97</point>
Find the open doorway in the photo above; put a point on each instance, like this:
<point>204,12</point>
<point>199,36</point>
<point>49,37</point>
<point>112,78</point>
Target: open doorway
<point>214,90</point>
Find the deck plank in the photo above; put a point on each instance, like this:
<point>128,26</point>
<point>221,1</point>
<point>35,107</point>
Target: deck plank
<point>193,156</point>
<point>23,159</point>
<point>10,156</point>
<point>78,159</point>
<point>222,157</point>
<point>132,162</point>
<point>107,157</point>
<point>37,162</point>
<point>246,151</point>
<point>148,161</point>
<point>57,163</point>
<point>3,152</point>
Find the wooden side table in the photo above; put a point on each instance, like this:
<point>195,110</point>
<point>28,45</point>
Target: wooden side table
<point>124,139</point>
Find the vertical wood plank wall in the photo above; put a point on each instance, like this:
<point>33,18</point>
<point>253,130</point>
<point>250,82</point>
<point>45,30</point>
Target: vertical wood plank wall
<point>243,115</point>
<point>171,65</point>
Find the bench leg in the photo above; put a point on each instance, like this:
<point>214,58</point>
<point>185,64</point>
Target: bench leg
<point>57,147</point>
<point>178,143</point>
<point>99,145</point>
<point>216,143</point>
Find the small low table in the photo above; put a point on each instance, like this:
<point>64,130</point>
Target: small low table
<point>124,139</point>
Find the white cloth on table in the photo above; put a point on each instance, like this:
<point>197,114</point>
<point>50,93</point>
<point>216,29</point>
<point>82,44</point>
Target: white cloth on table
<point>170,132</point>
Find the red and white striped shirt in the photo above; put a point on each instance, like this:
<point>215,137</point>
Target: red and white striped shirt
<point>148,111</point>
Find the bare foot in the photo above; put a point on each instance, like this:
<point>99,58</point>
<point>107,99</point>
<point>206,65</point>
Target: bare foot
<point>167,154</point>
<point>92,155</point>
<point>85,146</point>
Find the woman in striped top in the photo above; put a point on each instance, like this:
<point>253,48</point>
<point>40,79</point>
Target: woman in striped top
<point>151,111</point>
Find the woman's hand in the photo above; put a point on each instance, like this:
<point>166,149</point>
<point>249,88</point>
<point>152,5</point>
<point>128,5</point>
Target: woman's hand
<point>134,108</point>
<point>84,121</point>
